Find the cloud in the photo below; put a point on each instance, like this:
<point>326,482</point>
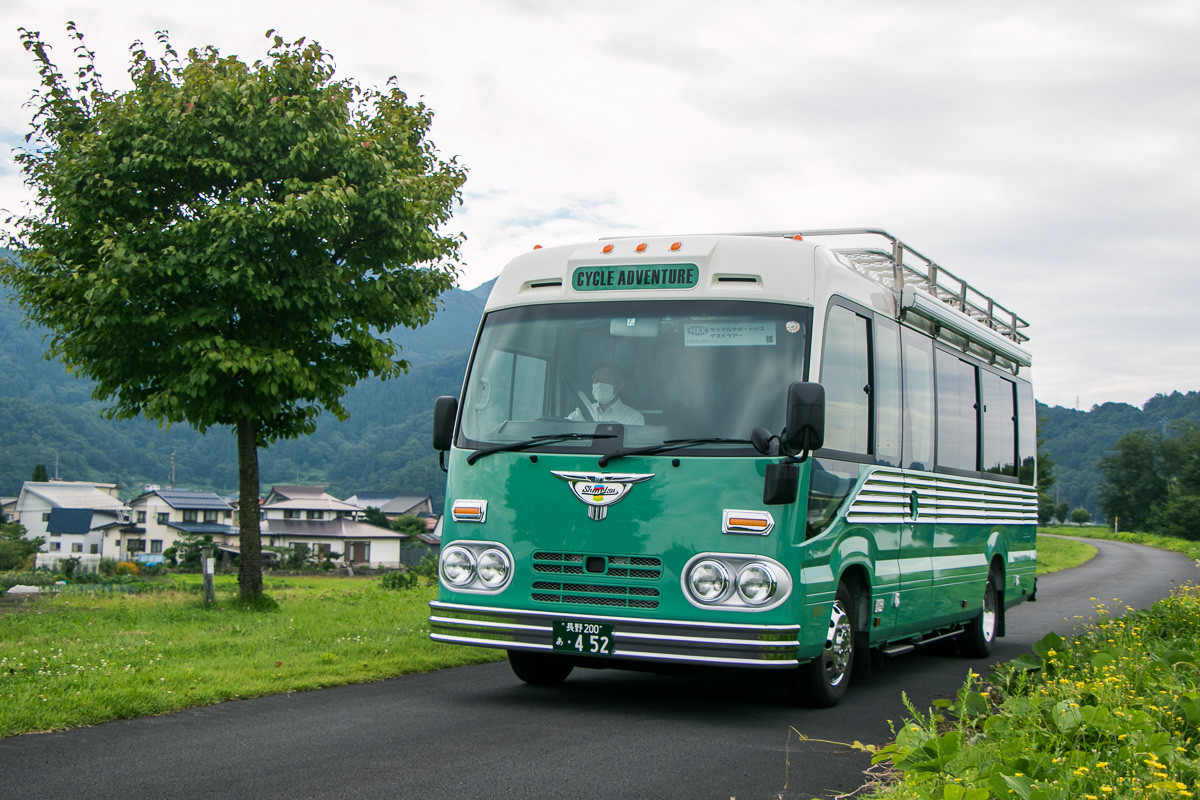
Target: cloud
<point>1045,152</point>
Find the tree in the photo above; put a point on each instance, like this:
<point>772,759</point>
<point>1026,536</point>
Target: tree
<point>1080,516</point>
<point>228,244</point>
<point>17,552</point>
<point>40,475</point>
<point>1134,479</point>
<point>1061,510</point>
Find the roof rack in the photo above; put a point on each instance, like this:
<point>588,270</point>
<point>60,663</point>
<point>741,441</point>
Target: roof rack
<point>899,265</point>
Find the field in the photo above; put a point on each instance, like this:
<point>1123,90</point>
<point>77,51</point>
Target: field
<point>79,658</point>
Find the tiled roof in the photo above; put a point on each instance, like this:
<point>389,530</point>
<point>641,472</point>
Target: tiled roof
<point>65,494</point>
<point>202,527</point>
<point>342,528</point>
<point>183,498</point>
<point>69,521</point>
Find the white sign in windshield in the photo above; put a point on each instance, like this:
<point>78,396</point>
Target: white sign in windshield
<point>724,333</point>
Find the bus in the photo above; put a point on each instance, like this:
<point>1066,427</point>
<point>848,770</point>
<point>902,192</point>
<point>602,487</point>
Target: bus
<point>758,451</point>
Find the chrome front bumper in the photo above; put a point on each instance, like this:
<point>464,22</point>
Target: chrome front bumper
<point>732,645</point>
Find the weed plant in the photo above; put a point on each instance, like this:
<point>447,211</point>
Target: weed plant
<point>78,659</point>
<point>1113,713</point>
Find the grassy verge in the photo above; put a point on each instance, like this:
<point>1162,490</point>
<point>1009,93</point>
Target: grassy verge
<point>79,658</point>
<point>1056,553</point>
<point>1188,547</point>
<point>1112,713</point>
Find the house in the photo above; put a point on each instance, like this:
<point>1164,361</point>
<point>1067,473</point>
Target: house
<point>8,509</point>
<point>308,515</point>
<point>163,517</point>
<point>393,505</point>
<point>72,516</point>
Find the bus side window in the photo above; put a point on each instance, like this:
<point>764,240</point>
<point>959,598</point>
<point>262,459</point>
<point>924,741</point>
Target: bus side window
<point>887,392</point>
<point>846,376</point>
<point>1026,434</point>
<point>999,424</point>
<point>957,413</point>
<point>918,400</point>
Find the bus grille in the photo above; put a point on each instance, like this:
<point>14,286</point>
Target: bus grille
<point>625,568</point>
<point>593,594</point>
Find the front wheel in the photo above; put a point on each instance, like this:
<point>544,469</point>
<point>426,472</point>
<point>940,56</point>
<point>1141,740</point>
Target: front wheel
<point>821,682</point>
<point>976,641</point>
<point>539,669</point>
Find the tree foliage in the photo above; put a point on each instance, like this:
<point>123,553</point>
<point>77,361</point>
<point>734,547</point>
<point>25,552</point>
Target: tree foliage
<point>17,552</point>
<point>1152,481</point>
<point>229,243</point>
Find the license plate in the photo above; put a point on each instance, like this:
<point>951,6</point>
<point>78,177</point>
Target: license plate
<point>583,638</point>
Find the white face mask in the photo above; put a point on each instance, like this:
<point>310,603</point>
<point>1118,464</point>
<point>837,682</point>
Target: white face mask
<point>603,392</point>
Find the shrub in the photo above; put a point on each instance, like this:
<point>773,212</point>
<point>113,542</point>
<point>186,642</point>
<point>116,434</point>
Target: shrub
<point>400,580</point>
<point>128,568</point>
<point>108,566</point>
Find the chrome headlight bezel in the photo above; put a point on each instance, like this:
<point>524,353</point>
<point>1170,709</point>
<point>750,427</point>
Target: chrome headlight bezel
<point>739,569</point>
<point>485,559</point>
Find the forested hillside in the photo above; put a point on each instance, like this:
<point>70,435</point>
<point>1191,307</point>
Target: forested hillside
<point>45,415</point>
<point>1077,440</point>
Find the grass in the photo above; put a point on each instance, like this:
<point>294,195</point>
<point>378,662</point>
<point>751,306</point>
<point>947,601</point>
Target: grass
<point>1112,713</point>
<point>1056,553</point>
<point>78,659</point>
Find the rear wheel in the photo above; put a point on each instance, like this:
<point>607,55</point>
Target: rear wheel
<point>976,641</point>
<point>821,682</point>
<point>539,669</point>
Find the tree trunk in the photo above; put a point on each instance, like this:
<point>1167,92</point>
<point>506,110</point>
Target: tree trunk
<point>250,578</point>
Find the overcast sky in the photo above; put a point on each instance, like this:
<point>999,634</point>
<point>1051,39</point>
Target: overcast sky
<point>1047,152</point>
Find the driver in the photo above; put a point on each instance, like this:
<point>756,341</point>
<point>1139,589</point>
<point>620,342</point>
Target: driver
<point>607,383</point>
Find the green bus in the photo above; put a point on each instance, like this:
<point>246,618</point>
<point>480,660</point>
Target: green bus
<point>775,450</point>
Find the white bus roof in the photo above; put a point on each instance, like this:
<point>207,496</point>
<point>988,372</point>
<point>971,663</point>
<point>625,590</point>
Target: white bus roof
<point>800,266</point>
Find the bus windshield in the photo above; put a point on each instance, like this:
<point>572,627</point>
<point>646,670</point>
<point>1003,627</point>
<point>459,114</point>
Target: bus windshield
<point>634,374</point>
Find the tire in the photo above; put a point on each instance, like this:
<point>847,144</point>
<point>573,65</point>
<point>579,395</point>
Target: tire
<point>822,682</point>
<point>976,641</point>
<point>539,669</point>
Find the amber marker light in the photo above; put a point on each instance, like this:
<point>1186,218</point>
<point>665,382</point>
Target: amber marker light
<point>537,247</point>
<point>752,522</point>
<point>676,246</point>
<point>798,238</point>
<point>641,248</point>
<point>608,248</point>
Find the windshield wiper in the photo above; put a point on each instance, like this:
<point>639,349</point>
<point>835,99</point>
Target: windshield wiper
<point>548,438</point>
<point>669,444</point>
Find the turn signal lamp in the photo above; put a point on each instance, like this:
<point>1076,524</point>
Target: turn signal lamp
<point>752,522</point>
<point>469,511</point>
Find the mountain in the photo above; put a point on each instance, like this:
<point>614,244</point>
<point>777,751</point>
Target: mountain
<point>47,416</point>
<point>1077,440</point>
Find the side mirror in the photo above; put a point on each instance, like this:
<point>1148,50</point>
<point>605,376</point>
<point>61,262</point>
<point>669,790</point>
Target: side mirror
<point>805,429</point>
<point>445,409</point>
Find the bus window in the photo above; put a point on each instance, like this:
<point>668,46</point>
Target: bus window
<point>887,392</point>
<point>999,425</point>
<point>846,376</point>
<point>957,413</point>
<point>1026,433</point>
<point>918,400</point>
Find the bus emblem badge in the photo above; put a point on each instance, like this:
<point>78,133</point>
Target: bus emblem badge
<point>600,490</point>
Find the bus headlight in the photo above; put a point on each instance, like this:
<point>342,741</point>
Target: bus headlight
<point>458,566</point>
<point>493,568</point>
<point>756,583</point>
<point>709,581</point>
<point>742,582</point>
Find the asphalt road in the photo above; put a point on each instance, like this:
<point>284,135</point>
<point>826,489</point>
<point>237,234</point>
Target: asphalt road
<point>476,732</point>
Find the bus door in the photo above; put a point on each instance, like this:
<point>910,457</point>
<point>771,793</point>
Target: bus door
<point>917,454</point>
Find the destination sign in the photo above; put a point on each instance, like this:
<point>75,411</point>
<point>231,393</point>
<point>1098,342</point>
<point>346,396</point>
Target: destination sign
<point>650,276</point>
